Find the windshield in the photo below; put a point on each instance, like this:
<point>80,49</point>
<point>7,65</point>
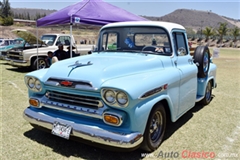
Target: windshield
<point>18,41</point>
<point>152,40</point>
<point>48,39</point>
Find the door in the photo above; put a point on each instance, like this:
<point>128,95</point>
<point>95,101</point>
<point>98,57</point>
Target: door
<point>188,72</point>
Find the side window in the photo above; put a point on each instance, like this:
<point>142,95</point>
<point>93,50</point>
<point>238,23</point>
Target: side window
<point>6,43</point>
<point>66,40</point>
<point>180,43</point>
<point>112,41</point>
<point>109,41</point>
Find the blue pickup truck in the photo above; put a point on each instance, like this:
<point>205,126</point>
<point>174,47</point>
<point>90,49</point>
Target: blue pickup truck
<point>122,96</point>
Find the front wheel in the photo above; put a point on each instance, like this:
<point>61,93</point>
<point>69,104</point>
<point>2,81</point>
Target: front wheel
<point>39,63</point>
<point>155,129</point>
<point>208,94</point>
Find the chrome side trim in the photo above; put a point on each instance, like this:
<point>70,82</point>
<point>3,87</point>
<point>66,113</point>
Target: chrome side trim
<point>154,91</point>
<point>87,132</point>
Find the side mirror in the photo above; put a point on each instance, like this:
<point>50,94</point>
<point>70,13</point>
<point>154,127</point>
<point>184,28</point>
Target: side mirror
<point>181,51</point>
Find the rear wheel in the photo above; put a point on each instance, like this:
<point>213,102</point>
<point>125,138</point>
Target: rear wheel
<point>39,63</point>
<point>208,94</point>
<point>155,129</point>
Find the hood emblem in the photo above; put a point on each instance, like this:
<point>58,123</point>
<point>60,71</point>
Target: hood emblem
<point>77,64</point>
<point>66,83</point>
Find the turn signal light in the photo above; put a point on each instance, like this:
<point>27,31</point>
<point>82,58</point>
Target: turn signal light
<point>111,119</point>
<point>34,102</point>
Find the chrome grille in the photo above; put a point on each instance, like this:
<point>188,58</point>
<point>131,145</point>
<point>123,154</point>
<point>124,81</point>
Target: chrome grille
<point>14,55</point>
<point>73,99</point>
<point>4,53</point>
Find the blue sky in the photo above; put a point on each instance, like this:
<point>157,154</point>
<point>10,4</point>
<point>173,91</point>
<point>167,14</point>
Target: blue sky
<point>158,8</point>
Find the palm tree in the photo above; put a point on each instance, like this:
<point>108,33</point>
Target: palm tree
<point>208,31</point>
<point>222,30</point>
<point>235,33</point>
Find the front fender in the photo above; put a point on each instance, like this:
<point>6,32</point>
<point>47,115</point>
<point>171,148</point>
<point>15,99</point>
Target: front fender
<point>202,82</point>
<point>142,111</point>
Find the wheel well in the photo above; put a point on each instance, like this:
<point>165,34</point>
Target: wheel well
<point>212,82</point>
<point>35,57</point>
<point>166,107</point>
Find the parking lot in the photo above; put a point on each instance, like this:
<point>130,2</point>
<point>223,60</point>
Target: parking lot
<point>211,131</point>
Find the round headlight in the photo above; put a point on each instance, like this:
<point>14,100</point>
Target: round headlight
<point>122,98</point>
<point>38,85</point>
<point>109,96</point>
<point>31,82</point>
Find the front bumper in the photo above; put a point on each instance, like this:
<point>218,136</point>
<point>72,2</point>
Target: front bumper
<point>19,63</point>
<point>87,132</point>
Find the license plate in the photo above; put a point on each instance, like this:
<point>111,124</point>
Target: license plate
<point>61,130</point>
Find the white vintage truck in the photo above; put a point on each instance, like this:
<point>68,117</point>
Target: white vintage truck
<point>35,57</point>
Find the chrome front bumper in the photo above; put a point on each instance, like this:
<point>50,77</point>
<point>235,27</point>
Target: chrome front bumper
<point>87,132</point>
<point>19,63</point>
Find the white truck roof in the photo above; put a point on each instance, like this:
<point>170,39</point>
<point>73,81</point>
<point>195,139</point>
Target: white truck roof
<point>167,25</point>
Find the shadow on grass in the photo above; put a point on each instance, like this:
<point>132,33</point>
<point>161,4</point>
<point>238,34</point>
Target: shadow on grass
<point>174,126</point>
<point>85,149</point>
<point>3,63</point>
<point>70,148</point>
<point>22,70</point>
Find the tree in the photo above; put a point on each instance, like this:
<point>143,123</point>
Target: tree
<point>222,30</point>
<point>5,13</point>
<point>208,31</point>
<point>0,9</point>
<point>235,33</point>
<point>5,8</point>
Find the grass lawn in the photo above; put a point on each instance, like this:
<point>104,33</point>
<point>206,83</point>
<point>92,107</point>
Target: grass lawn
<point>214,128</point>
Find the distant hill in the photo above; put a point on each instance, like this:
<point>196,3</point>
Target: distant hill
<point>194,19</point>
<point>33,13</point>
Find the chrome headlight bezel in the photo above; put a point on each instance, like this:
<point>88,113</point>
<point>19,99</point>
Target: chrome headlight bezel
<point>33,84</point>
<point>117,96</point>
<point>109,96</point>
<point>122,98</point>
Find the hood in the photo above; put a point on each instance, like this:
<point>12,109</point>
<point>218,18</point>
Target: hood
<point>99,68</point>
<point>27,36</point>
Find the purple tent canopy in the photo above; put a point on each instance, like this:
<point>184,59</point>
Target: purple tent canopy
<point>95,12</point>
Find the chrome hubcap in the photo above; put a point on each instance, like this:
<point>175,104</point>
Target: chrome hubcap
<point>41,64</point>
<point>205,62</point>
<point>208,92</point>
<point>156,126</point>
